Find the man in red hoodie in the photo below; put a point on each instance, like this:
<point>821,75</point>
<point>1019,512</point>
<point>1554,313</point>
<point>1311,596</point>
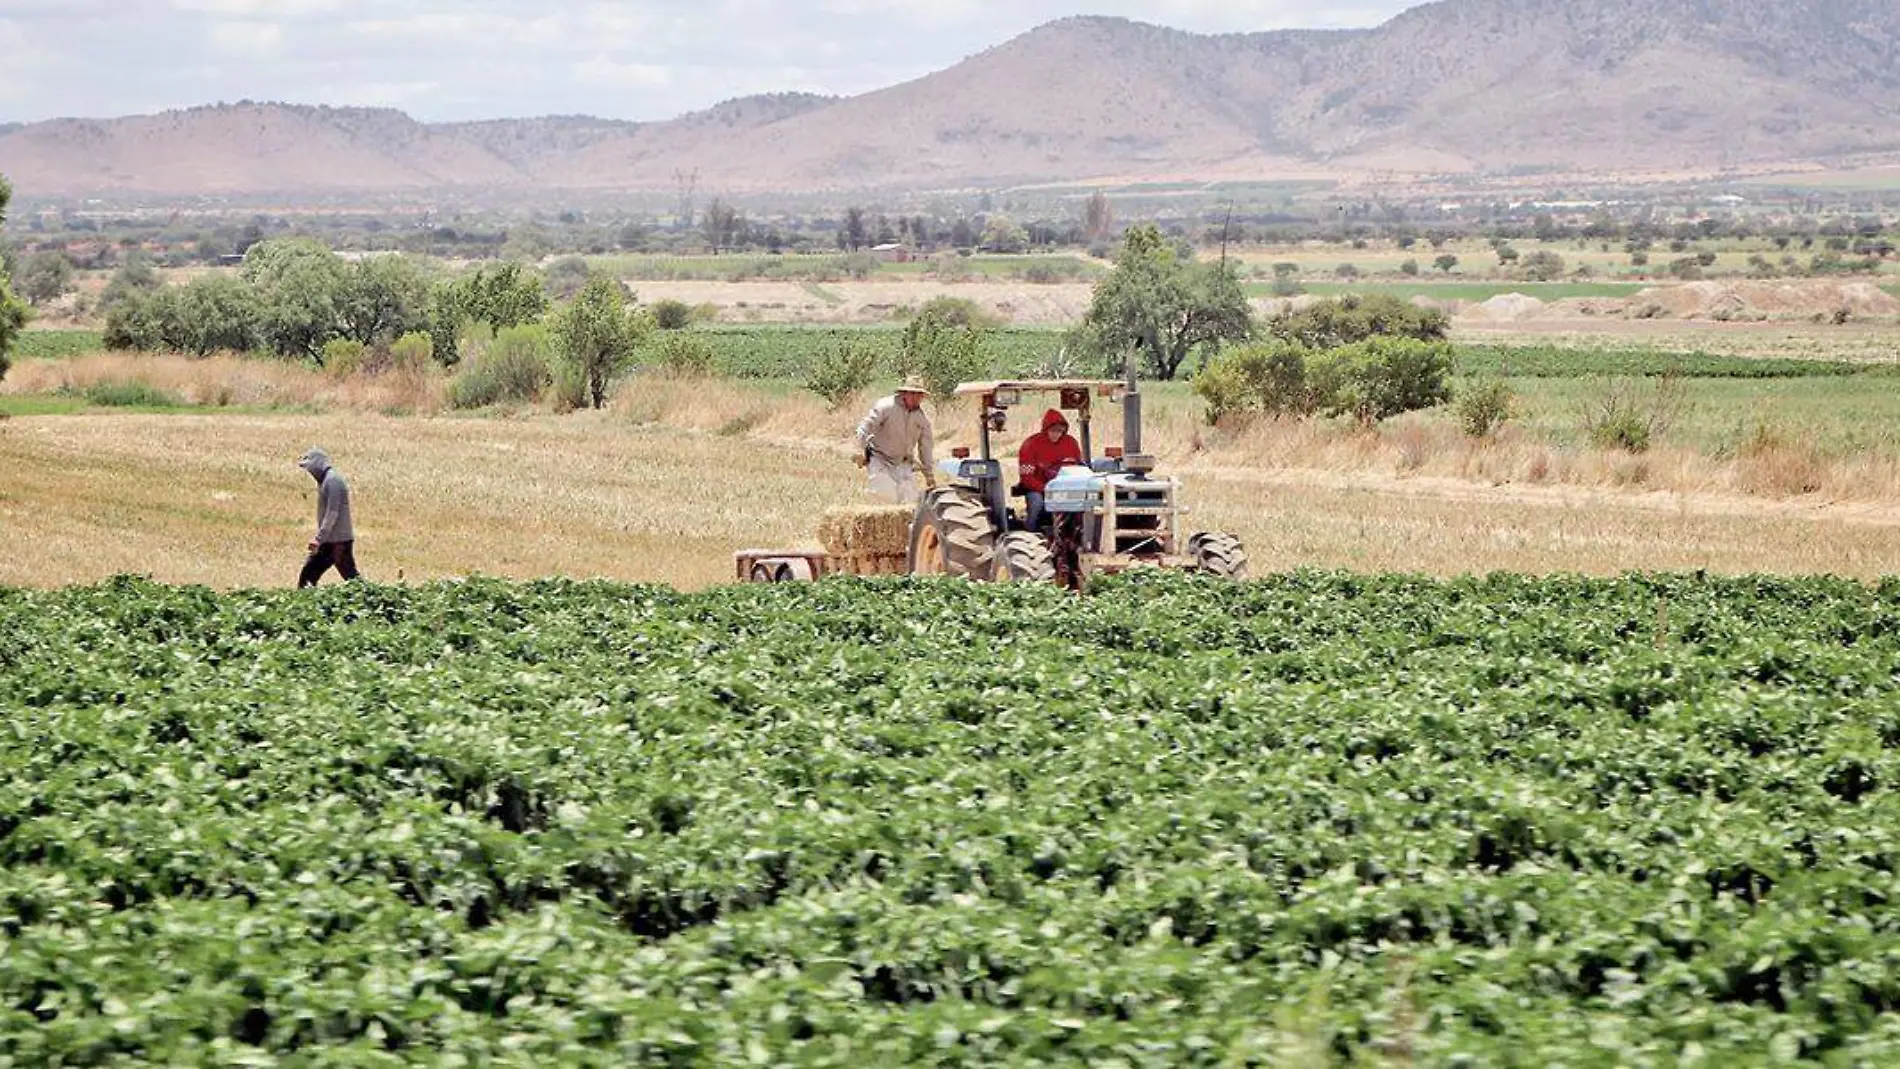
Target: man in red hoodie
<point>1042,456</point>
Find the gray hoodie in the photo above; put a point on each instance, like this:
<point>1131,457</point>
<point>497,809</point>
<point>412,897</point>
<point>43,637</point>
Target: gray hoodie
<point>333,498</point>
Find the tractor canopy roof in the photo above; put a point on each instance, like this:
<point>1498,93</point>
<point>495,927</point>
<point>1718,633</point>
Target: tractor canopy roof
<point>1099,387</point>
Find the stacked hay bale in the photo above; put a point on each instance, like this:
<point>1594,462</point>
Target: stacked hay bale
<point>867,539</point>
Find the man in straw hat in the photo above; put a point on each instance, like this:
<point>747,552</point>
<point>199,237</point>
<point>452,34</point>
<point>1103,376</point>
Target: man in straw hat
<point>895,431</point>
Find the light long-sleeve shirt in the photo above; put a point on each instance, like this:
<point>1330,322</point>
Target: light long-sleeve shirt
<point>896,433</point>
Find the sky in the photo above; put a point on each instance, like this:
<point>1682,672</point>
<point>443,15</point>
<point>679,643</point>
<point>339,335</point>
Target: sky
<point>444,60</point>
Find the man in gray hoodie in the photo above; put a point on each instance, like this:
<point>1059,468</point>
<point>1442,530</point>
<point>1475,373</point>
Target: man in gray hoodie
<point>335,543</point>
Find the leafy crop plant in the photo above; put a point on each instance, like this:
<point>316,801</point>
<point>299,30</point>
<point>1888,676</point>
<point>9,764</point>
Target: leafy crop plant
<point>1312,819</point>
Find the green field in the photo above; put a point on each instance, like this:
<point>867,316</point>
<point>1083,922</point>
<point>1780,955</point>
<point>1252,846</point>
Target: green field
<point>1315,819</point>
<point>55,344</point>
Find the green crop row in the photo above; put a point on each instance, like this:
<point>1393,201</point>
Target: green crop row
<point>788,352</point>
<point>1559,362</point>
<point>1315,819</point>
<point>56,344</point>
<point>780,352</point>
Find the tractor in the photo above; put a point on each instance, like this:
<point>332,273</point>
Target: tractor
<point>1108,514</point>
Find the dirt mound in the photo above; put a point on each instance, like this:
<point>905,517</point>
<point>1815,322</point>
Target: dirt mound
<point>1758,301</point>
<point>1507,306</point>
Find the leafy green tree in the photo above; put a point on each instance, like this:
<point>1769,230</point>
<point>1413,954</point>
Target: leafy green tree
<point>382,298</point>
<point>598,336</point>
<point>1543,266</point>
<point>148,321</point>
<point>1445,262</point>
<point>218,312</point>
<point>135,276</point>
<point>499,296</point>
<point>1003,234</point>
<point>45,277</point>
<point>302,286</point>
<point>1163,307</point>
<point>12,312</point>
<point>946,346</point>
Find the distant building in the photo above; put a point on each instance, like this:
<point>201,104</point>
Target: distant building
<point>892,253</point>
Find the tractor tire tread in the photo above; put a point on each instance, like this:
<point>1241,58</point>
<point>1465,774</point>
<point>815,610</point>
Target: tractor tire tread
<point>963,526</point>
<point>1024,557</point>
<point>1218,553</point>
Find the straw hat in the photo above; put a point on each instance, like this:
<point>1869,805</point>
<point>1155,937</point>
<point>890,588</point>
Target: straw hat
<point>913,384</point>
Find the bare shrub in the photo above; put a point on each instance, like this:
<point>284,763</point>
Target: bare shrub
<point>1633,414</point>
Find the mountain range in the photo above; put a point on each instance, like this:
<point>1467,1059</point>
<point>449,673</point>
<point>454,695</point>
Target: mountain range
<point>1624,88</point>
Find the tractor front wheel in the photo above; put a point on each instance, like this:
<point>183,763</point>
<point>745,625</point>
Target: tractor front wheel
<point>1219,554</point>
<point>952,535</point>
<point>1024,557</point>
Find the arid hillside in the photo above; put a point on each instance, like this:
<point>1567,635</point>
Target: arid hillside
<point>1629,87</point>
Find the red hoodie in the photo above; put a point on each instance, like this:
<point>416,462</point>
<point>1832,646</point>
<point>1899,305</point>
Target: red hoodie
<point>1041,458</point>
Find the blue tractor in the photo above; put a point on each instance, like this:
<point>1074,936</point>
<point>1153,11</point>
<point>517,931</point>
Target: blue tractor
<point>1108,514</point>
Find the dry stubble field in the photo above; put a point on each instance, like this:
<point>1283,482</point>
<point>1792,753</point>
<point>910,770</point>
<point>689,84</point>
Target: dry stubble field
<point>217,499</point>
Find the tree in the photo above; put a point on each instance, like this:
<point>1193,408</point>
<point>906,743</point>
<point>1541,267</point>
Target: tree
<point>217,312</point>
<point>721,226</point>
<point>1445,262</point>
<point>45,276</point>
<point>1098,217</point>
<point>852,234</point>
<point>300,283</point>
<point>1003,234</point>
<point>499,295</point>
<point>383,298</point>
<point>598,336</point>
<point>1163,307</point>
<point>1543,266</point>
<point>945,345</point>
<point>12,312</point>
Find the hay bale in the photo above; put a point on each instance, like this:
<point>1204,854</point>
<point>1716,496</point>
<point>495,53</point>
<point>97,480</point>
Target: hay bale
<point>866,529</point>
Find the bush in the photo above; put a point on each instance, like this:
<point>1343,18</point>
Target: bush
<point>1484,405</point>
<point>670,314</point>
<point>343,356</point>
<point>569,388</point>
<point>513,369</point>
<point>411,352</point>
<point>685,356</point>
<point>842,371</point>
<point>1267,378</point>
<point>956,312</point>
<point>1380,378</point>
<point>1370,380</point>
<point>1357,317</point>
<point>1624,415</point>
<point>1543,266</point>
<point>129,395</point>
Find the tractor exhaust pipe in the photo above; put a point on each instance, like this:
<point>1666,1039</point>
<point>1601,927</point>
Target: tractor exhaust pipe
<point>1131,410</point>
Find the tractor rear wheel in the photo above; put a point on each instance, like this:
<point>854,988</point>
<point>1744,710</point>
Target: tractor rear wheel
<point>1024,557</point>
<point>952,535</point>
<point>1219,554</point>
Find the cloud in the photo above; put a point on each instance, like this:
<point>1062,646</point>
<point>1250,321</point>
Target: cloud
<point>462,59</point>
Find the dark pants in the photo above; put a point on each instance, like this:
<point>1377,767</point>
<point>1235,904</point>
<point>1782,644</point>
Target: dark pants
<point>341,554</point>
